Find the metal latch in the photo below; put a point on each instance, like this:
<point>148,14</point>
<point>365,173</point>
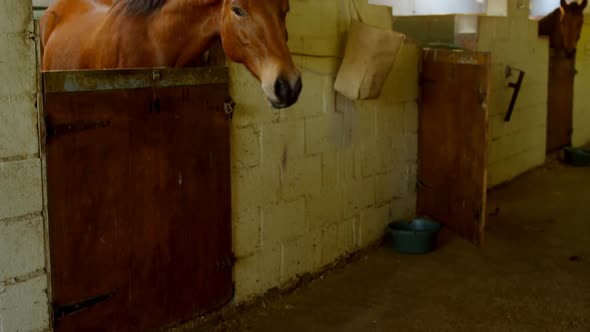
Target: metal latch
<point>516,86</point>
<point>61,129</point>
<point>61,312</point>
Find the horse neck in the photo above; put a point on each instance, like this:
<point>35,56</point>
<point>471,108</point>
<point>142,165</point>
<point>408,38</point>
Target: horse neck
<point>549,26</point>
<point>184,29</point>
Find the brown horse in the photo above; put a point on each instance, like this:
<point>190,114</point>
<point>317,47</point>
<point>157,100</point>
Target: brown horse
<point>101,34</point>
<point>564,26</point>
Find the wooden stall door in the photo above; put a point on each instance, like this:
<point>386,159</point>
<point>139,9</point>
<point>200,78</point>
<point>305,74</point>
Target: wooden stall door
<point>139,202</point>
<point>560,101</point>
<point>453,139</point>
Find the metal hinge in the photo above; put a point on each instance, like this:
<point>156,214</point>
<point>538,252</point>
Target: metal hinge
<point>421,184</point>
<point>61,312</point>
<point>225,264</point>
<point>228,107</point>
<point>56,130</point>
<point>31,35</point>
<point>422,81</point>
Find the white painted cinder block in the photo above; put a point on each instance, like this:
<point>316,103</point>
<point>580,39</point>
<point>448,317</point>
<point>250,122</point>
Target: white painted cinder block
<point>20,188</point>
<point>411,147</point>
<point>373,222</point>
<point>24,306</point>
<point>18,128</point>
<point>324,208</point>
<point>357,196</point>
<point>302,255</point>
<point>346,166</point>
<point>581,116</point>
<point>324,134</point>
<point>246,233</point>
<point>45,3</point>
<point>17,68</point>
<point>253,187</point>
<point>245,147</point>
<point>283,222</point>
<point>16,16</point>
<point>283,141</point>
<point>329,245</point>
<point>392,184</point>
<point>301,177</point>
<point>21,247</point>
<point>348,235</point>
<point>330,169</point>
<point>368,155</point>
<point>364,123</point>
<point>411,117</point>
<point>390,121</point>
<point>402,86</point>
<point>393,155</point>
<point>256,274</point>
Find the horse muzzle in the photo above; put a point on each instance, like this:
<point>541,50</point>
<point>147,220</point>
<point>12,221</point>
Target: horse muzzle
<point>287,92</point>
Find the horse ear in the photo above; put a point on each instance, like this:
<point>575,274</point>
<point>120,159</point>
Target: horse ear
<point>564,4</point>
<point>584,4</point>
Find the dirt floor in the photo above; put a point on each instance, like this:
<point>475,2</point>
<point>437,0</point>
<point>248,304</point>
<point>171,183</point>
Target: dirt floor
<point>533,274</point>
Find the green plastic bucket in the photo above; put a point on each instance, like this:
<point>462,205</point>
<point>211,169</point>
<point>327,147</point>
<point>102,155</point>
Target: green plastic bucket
<point>577,157</point>
<point>415,237</point>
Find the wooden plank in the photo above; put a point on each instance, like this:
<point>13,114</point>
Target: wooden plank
<point>454,56</point>
<point>140,209</point>
<point>560,102</point>
<point>126,79</point>
<point>453,137</point>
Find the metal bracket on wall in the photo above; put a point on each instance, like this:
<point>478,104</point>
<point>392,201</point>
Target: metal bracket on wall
<point>516,86</point>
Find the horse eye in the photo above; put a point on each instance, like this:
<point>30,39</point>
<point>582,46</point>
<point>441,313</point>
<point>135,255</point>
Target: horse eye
<point>239,11</point>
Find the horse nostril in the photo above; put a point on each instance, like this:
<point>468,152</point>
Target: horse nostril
<point>282,89</point>
<point>287,92</point>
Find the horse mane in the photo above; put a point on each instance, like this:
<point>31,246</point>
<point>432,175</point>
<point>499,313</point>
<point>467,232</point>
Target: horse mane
<point>547,23</point>
<point>147,7</point>
<point>142,7</point>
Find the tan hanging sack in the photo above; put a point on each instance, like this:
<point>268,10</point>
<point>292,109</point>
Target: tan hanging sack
<point>369,56</point>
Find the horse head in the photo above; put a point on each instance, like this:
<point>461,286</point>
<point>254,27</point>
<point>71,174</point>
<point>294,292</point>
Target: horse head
<point>570,25</point>
<point>254,33</point>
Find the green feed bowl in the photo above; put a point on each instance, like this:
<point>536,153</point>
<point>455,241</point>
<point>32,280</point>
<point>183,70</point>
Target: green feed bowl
<point>577,157</point>
<point>415,237</point>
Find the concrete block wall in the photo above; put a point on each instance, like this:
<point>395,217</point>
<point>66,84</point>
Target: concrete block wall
<point>23,279</point>
<point>322,179</point>
<point>518,145</point>
<point>581,112</point>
